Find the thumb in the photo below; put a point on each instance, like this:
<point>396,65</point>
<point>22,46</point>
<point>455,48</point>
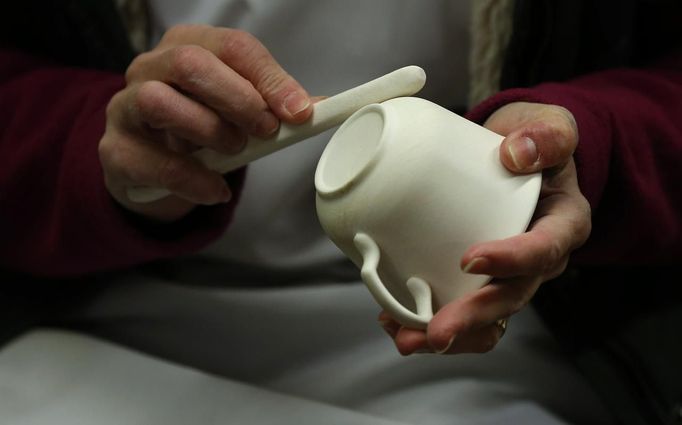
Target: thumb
<point>538,136</point>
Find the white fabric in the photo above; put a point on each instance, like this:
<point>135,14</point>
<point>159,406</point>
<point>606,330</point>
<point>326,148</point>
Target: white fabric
<point>328,46</point>
<point>316,349</point>
<point>62,378</point>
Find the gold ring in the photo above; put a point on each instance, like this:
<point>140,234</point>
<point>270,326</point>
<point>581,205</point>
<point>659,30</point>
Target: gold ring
<point>502,326</point>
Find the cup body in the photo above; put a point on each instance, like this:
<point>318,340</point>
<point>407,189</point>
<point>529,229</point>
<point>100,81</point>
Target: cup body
<point>423,184</point>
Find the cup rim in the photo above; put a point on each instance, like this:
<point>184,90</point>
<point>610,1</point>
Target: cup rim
<point>366,164</point>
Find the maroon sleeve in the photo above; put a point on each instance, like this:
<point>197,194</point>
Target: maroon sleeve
<point>56,216</point>
<point>629,158</point>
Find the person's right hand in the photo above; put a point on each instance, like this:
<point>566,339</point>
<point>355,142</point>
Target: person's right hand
<point>200,87</point>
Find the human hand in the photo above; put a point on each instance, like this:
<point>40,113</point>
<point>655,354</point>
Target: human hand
<point>201,86</point>
<point>538,137</point>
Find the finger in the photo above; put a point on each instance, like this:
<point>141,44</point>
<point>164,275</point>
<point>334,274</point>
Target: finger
<point>201,75</point>
<point>390,326</point>
<point>498,299</point>
<point>480,340</point>
<point>409,341</point>
<point>537,136</point>
<point>131,162</point>
<point>161,107</point>
<point>562,225</point>
<point>247,56</point>
<point>532,253</point>
<point>538,146</point>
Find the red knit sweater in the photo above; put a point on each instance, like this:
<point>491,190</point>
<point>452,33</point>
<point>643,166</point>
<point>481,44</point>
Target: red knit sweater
<point>57,218</point>
<point>629,158</point>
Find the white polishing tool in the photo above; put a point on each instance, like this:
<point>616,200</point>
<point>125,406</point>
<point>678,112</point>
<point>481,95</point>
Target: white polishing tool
<point>327,113</point>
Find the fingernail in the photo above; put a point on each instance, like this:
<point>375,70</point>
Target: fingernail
<point>524,152</point>
<point>295,103</point>
<point>471,266</point>
<point>447,347</point>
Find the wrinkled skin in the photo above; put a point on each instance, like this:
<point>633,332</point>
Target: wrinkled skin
<point>538,138</point>
<point>201,86</point>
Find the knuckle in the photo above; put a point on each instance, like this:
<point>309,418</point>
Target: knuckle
<point>582,230</point>
<point>237,43</point>
<point>150,102</point>
<point>555,254</point>
<point>275,81</point>
<point>187,64</point>
<point>584,226</point>
<point>173,173</point>
<point>552,251</point>
<point>569,119</point>
<point>105,150</point>
<point>555,259</point>
<point>173,32</point>
<point>136,68</point>
<point>179,31</point>
<point>578,227</point>
<point>117,159</point>
<point>114,105</point>
<point>566,129</point>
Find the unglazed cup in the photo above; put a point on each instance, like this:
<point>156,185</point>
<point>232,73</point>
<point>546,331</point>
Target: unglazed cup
<point>404,188</point>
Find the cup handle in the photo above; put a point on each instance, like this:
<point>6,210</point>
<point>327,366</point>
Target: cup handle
<point>419,289</point>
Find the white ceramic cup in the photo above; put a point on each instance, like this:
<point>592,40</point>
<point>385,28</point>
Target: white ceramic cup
<point>404,188</point>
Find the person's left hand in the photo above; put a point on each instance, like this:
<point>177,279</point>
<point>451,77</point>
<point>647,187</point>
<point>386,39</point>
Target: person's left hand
<point>538,137</point>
